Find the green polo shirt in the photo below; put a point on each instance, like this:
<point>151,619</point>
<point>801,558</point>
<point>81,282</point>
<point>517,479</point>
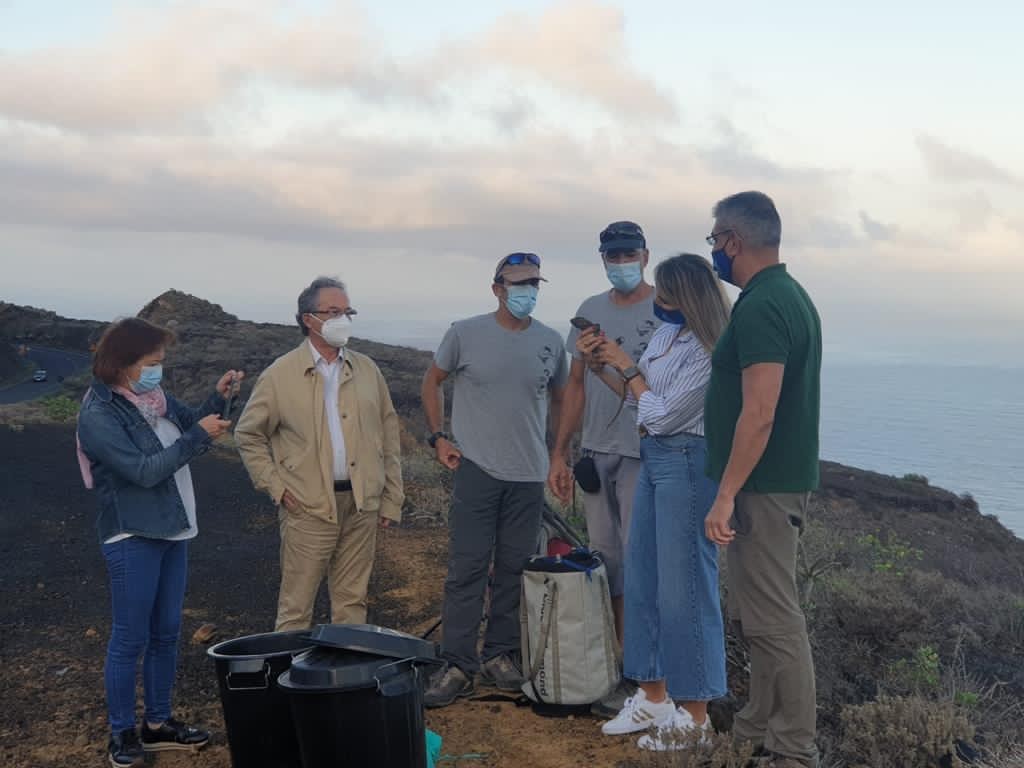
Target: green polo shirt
<point>773,321</point>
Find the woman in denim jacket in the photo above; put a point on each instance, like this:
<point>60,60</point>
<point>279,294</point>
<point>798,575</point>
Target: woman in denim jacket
<point>135,443</point>
<point>674,644</point>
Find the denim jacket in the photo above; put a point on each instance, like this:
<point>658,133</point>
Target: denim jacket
<point>133,474</point>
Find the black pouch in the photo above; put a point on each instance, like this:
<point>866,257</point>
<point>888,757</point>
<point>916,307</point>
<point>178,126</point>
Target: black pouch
<point>585,472</point>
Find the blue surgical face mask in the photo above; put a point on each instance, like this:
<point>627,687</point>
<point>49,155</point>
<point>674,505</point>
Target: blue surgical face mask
<point>624,277</point>
<point>671,316</point>
<point>723,265</point>
<point>149,379</point>
<point>521,299</point>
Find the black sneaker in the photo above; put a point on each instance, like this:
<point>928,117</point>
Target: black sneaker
<point>173,734</point>
<point>125,750</point>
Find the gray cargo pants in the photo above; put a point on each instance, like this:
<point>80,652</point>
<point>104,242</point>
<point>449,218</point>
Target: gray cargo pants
<point>488,518</point>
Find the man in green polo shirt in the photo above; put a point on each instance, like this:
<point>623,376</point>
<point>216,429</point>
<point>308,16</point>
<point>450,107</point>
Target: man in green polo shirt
<point>761,423</point>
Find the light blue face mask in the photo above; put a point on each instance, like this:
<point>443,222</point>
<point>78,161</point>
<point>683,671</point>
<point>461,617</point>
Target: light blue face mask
<point>149,379</point>
<point>624,277</point>
<point>521,299</point>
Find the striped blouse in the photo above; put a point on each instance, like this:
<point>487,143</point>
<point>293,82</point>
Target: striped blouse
<point>677,370</point>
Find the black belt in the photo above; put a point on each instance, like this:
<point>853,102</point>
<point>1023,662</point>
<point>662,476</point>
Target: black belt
<point>644,433</point>
<point>342,485</point>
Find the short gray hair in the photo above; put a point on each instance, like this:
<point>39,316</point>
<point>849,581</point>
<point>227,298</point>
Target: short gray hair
<point>311,295</point>
<point>752,216</point>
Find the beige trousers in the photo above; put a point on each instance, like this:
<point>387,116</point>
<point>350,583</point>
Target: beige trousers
<point>312,548</point>
<point>763,604</point>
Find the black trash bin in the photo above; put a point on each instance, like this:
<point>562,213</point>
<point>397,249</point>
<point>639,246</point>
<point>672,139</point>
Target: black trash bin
<point>357,698</point>
<point>257,716</point>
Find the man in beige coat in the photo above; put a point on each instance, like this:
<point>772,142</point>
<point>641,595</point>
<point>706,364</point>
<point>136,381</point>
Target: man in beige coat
<point>320,436</point>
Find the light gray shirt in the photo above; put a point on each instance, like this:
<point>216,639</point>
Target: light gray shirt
<point>631,327</point>
<point>331,374</point>
<point>502,380</point>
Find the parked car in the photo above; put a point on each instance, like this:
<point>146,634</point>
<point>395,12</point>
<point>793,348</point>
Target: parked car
<point>39,375</point>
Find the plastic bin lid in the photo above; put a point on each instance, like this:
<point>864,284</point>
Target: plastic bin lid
<point>373,640</point>
<point>331,669</point>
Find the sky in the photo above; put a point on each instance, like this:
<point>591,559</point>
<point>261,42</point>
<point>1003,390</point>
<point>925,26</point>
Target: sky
<point>236,150</point>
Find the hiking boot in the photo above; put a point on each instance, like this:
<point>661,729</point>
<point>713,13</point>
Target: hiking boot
<point>125,749</point>
<point>446,685</point>
<point>639,714</point>
<point>679,732</point>
<point>502,672</point>
<point>173,735</point>
<point>613,702</point>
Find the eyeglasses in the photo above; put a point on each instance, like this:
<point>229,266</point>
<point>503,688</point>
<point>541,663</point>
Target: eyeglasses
<point>515,259</point>
<point>621,229</point>
<point>333,313</point>
<point>710,239</point>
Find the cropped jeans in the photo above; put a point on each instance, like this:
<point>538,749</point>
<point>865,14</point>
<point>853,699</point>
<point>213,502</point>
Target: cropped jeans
<point>147,589</point>
<point>673,619</point>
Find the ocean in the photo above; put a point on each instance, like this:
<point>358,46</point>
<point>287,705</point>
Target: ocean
<point>961,427</point>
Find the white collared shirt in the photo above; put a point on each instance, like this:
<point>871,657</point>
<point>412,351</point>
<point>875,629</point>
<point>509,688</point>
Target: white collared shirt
<point>331,374</point>
<point>677,370</point>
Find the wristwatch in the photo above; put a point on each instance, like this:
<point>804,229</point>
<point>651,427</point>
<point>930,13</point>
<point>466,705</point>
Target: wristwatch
<point>432,439</point>
<point>630,373</point>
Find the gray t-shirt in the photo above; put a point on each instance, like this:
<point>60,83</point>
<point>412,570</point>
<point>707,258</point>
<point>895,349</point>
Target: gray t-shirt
<point>631,327</point>
<point>500,394</point>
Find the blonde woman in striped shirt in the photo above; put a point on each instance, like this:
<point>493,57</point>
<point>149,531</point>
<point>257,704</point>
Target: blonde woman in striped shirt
<point>674,643</point>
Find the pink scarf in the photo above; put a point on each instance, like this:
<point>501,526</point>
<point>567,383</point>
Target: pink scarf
<point>152,405</point>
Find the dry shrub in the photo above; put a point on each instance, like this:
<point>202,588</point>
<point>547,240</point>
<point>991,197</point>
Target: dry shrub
<point>718,750</point>
<point>902,732</point>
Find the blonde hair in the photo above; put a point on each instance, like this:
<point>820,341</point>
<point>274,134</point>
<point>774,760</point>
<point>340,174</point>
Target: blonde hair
<point>688,282</point>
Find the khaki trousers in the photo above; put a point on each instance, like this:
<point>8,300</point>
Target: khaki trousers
<point>312,548</point>
<point>764,607</point>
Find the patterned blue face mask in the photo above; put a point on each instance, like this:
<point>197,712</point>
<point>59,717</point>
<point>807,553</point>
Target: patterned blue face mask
<point>149,379</point>
<point>520,300</point>
<point>670,316</point>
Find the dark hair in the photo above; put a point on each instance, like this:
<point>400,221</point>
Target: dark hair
<point>123,344</point>
<point>311,295</point>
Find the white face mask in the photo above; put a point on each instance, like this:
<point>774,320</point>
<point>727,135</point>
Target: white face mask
<point>336,331</point>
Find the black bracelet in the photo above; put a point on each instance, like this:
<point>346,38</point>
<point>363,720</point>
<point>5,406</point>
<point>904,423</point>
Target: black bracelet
<point>432,440</point>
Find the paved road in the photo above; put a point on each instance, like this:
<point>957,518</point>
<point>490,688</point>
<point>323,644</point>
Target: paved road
<point>56,362</point>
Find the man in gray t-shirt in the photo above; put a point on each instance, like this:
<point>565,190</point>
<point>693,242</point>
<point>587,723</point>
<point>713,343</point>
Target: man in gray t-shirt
<point>625,314</point>
<point>506,368</point>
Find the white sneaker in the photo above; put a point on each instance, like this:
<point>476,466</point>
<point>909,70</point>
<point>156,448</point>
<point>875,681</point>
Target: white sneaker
<point>639,714</point>
<point>679,732</point>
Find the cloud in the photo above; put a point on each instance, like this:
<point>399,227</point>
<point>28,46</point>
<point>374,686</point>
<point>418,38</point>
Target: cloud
<point>875,230</point>
<point>574,46</point>
<point>169,69</point>
<point>947,163</point>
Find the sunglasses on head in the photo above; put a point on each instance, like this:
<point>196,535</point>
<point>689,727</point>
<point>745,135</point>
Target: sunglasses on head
<point>516,259</point>
<point>614,231</point>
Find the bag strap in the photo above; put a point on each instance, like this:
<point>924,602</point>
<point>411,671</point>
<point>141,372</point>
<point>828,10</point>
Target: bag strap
<point>612,648</point>
<point>536,659</point>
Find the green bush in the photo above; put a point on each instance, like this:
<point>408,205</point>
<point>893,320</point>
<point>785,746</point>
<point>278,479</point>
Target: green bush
<point>889,556</point>
<point>902,732</point>
<point>913,477</point>
<point>61,408</point>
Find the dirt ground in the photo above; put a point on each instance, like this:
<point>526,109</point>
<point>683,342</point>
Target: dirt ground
<point>54,619</point>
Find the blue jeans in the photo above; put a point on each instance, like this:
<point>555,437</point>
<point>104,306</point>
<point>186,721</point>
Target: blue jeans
<point>147,589</point>
<point>673,617</point>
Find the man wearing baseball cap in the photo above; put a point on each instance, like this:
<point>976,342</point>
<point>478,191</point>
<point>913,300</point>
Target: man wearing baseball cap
<point>610,439</point>
<point>509,371</point>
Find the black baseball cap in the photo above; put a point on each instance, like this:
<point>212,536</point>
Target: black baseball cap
<point>622,236</point>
